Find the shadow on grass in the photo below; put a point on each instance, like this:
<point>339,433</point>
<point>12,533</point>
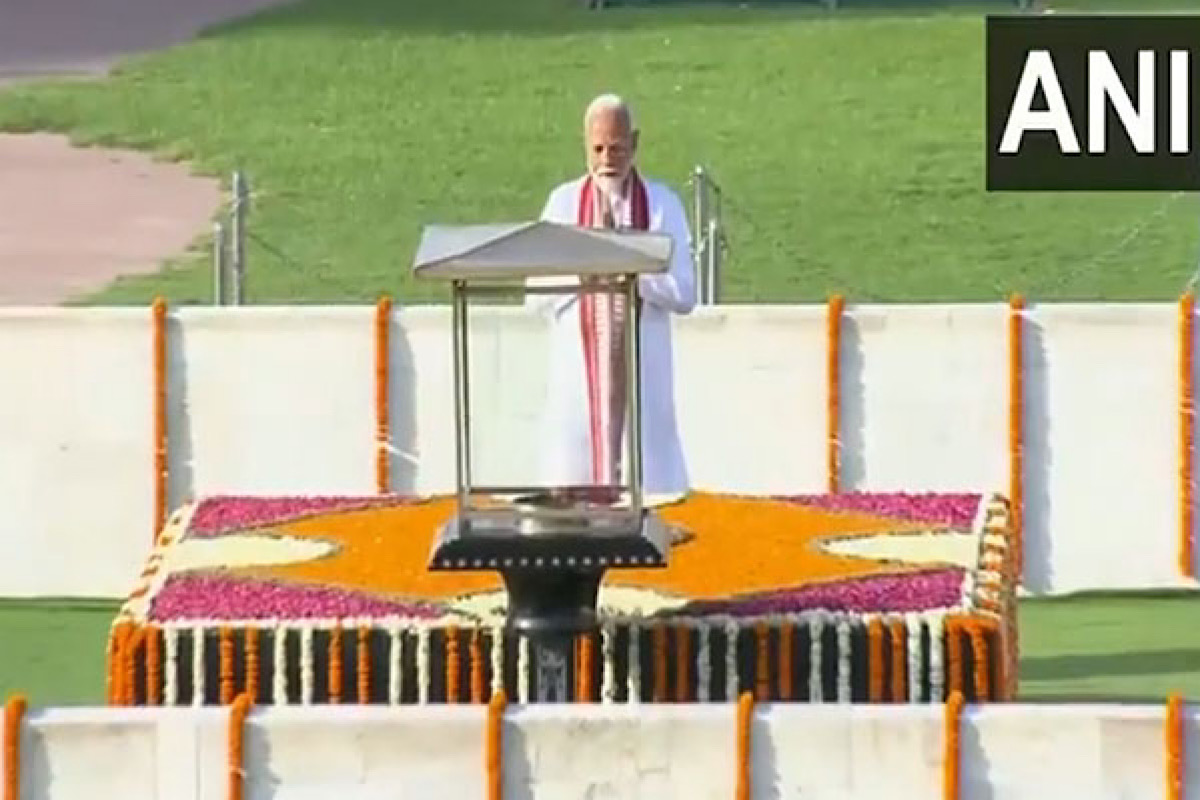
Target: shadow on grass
<point>559,17</point>
<point>1052,697</point>
<point>1143,662</point>
<point>98,604</point>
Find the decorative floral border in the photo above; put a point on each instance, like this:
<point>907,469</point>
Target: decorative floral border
<point>984,618</point>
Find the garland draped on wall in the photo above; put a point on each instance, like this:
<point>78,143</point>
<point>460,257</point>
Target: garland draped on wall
<point>383,461</point>
<point>833,349</point>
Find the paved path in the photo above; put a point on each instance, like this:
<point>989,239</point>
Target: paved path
<point>45,37</point>
<point>71,220</point>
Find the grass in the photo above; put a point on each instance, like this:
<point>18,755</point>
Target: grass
<point>54,650</point>
<point>849,145</point>
<point>1115,646</point>
<point>1130,648</point>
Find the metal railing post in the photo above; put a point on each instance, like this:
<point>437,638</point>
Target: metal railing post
<point>240,207</point>
<point>699,227</point>
<point>218,264</point>
<point>714,260</point>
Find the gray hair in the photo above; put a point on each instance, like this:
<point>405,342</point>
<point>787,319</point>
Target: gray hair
<point>609,102</point>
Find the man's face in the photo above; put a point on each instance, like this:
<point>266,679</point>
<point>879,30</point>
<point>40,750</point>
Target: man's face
<point>611,147</point>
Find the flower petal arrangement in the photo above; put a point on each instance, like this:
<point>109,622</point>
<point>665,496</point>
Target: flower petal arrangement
<point>848,597</point>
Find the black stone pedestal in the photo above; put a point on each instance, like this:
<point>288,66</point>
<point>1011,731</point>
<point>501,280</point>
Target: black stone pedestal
<point>552,579</point>
<point>552,609</point>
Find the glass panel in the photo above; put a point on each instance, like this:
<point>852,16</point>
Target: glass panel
<point>530,416</point>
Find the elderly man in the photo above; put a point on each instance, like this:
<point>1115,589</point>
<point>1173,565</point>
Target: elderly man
<point>585,419</point>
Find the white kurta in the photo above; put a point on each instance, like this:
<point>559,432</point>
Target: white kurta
<point>566,442</point>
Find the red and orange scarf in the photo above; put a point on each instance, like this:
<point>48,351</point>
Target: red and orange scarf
<point>602,328</point>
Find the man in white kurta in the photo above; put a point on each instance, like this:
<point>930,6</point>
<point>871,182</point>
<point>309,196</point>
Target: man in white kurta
<point>620,195</point>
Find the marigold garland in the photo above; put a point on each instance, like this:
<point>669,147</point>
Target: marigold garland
<point>251,683</point>
<point>660,663</point>
<point>494,745</point>
<point>476,665</point>
<point>953,655</point>
<point>585,663</point>
<point>745,717</point>
<point>363,663</point>
<point>762,667</point>
<point>875,657</point>
<point>951,766</point>
<point>123,662</point>
<point>237,745</point>
<point>1187,433</point>
<point>1175,748</point>
<point>784,534</point>
<point>672,678</point>
<point>1016,424</point>
<point>133,640</point>
<point>383,461</point>
<point>979,650</point>
<point>899,664</point>
<point>335,664</point>
<point>153,687</point>
<point>833,392</point>
<point>452,664</point>
<point>785,661</point>
<point>14,715</point>
<point>160,416</point>
<point>226,645</point>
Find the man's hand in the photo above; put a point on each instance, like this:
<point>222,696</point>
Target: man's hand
<point>606,216</point>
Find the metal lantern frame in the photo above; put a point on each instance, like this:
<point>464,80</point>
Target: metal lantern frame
<point>486,261</point>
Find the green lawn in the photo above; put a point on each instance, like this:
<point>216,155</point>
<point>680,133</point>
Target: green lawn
<point>848,143</point>
<point>54,651</point>
<point>1110,647</point>
<point>1101,647</point>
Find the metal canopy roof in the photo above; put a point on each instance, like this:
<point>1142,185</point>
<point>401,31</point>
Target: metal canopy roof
<point>539,248</point>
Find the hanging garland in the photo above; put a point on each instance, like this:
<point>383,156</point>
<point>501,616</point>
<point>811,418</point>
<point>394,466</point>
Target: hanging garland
<point>160,416</point>
<point>237,745</point>
<point>899,662</point>
<point>494,749</point>
<point>14,714</point>
<point>363,661</point>
<point>251,686</point>
<point>833,349</point>
<point>1175,748</point>
<point>875,656</point>
<point>951,765</point>
<point>745,717</point>
<point>476,665</point>
<point>1016,422</point>
<point>762,662</point>
<point>383,462</point>
<point>226,666</point>
<point>153,686</point>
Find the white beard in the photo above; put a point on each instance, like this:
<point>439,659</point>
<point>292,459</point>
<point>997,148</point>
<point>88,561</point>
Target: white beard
<point>610,185</point>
